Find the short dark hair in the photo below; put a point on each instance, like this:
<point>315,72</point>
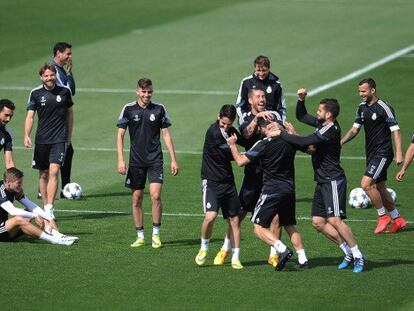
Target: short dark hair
<point>12,174</point>
<point>61,47</point>
<point>262,60</point>
<point>6,103</point>
<point>143,83</point>
<point>250,91</point>
<point>45,67</point>
<point>331,105</point>
<point>370,81</point>
<point>262,122</point>
<point>228,111</point>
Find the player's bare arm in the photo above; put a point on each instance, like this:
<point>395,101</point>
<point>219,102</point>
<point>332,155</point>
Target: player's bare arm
<point>398,147</point>
<point>122,169</point>
<point>170,147</point>
<point>240,159</point>
<point>28,128</point>
<point>409,155</point>
<point>350,135</point>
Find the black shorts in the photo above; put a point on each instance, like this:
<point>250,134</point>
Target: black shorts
<point>329,199</point>
<point>4,234</point>
<point>250,191</point>
<point>269,205</point>
<point>377,168</point>
<point>44,154</point>
<point>220,195</point>
<point>137,176</point>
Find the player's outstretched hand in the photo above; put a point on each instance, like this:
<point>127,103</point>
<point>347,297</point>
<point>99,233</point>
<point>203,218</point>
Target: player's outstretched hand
<point>302,94</point>
<point>232,139</point>
<point>174,168</point>
<point>289,128</point>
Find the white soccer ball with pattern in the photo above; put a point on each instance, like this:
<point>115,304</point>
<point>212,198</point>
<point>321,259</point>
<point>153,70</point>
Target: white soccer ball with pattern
<point>358,198</point>
<point>72,191</point>
<point>393,194</point>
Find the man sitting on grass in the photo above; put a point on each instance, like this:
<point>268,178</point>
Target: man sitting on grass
<point>19,224</point>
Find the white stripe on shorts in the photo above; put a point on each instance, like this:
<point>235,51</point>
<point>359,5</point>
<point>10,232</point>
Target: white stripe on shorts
<point>335,198</point>
<point>258,207</point>
<point>379,168</point>
<point>204,183</point>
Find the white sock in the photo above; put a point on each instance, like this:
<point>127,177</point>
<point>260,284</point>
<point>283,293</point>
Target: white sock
<point>345,248</point>
<point>140,233</point>
<point>156,230</point>
<point>301,256</point>
<point>381,211</point>
<point>273,251</point>
<point>394,213</point>
<point>56,233</point>
<point>236,254</point>
<point>47,237</point>
<point>356,252</point>
<point>226,245</point>
<point>279,246</point>
<point>204,244</point>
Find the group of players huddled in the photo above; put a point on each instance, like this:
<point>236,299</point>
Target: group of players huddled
<point>268,187</point>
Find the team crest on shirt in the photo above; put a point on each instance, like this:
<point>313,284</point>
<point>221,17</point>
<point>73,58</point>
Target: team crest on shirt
<point>58,98</point>
<point>269,89</point>
<point>152,117</point>
<point>374,116</point>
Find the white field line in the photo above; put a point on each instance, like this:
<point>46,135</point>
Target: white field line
<point>179,152</point>
<point>311,92</point>
<point>182,214</point>
<point>361,71</point>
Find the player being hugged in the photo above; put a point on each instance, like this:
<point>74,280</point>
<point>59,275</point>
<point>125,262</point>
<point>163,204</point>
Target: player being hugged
<point>11,188</point>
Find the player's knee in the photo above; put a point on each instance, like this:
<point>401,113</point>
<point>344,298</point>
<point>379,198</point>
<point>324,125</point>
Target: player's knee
<point>367,185</point>
<point>20,221</point>
<point>318,225</point>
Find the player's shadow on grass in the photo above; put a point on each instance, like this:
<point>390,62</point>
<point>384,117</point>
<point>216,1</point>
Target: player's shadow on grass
<point>91,216</point>
<point>107,194</point>
<point>186,242</point>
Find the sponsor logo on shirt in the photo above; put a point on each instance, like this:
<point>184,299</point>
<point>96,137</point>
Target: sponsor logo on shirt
<point>42,101</point>
<point>58,98</point>
<point>152,117</point>
<point>136,118</point>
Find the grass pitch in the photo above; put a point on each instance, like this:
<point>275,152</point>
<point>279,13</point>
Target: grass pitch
<point>192,50</point>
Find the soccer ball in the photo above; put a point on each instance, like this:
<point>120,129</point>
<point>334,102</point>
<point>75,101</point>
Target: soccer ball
<point>358,198</point>
<point>72,191</point>
<point>393,194</point>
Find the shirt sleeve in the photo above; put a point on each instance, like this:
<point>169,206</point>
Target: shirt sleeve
<point>256,151</point>
<point>31,104</point>
<point>165,121</point>
<point>8,145</point>
<point>390,118</point>
<point>123,120</point>
<point>69,101</point>
<point>303,116</point>
<point>358,118</point>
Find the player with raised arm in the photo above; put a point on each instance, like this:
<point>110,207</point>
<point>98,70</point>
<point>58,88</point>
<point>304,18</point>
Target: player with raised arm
<point>218,187</point>
<point>145,121</point>
<point>378,119</point>
<point>329,200</point>
<point>19,223</point>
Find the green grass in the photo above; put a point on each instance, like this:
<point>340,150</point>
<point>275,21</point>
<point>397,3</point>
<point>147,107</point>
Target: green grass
<point>208,46</point>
